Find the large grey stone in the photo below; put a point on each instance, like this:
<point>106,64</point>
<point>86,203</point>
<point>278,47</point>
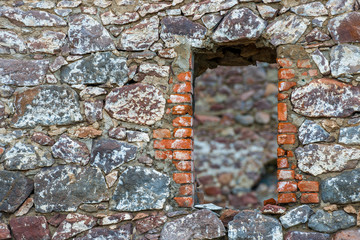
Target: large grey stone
<point>98,68</point>
<point>136,103</point>
<point>343,29</point>
<point>320,60</point>
<point>202,224</point>
<point>326,222</point>
<point>108,154</point>
<point>311,132</point>
<point>296,216</point>
<point>46,105</point>
<point>249,224</point>
<point>11,42</point>
<point>140,189</point>
<point>25,156</point>
<point>292,27</point>
<point>342,189</point>
<point>87,35</point>
<point>64,188</point>
<point>178,29</point>
<point>345,59</point>
<point>14,189</point>
<point>141,36</point>
<point>71,151</point>
<point>312,9</point>
<point>239,24</point>
<point>340,6</point>
<point>23,72</point>
<point>326,98</point>
<point>31,18</point>
<point>317,159</point>
<point>350,135</point>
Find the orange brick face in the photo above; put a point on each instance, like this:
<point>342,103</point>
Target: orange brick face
<point>182,155</point>
<point>183,122</point>
<point>182,110</point>
<point>286,73</point>
<point>185,76</point>
<point>282,112</point>
<point>180,98</point>
<point>284,86</point>
<point>280,152</point>
<point>286,139</point>
<point>163,155</point>
<point>282,163</point>
<point>309,186</point>
<point>162,133</point>
<point>282,96</point>
<point>286,197</point>
<point>289,186</point>
<point>173,144</point>
<point>304,63</point>
<point>183,132</point>
<point>185,202</point>
<point>183,178</point>
<point>309,198</point>
<point>287,128</point>
<point>183,165</point>
<point>285,174</point>
<point>183,87</point>
<point>186,190</point>
<point>284,62</point>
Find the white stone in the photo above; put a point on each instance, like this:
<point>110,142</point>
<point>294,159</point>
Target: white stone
<point>321,61</point>
<point>313,9</point>
<point>345,59</point>
<point>340,6</point>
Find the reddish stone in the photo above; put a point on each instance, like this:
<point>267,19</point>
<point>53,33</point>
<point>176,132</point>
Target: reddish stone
<point>30,228</point>
<point>286,197</point>
<point>205,180</point>
<point>344,29</point>
<point>288,186</point>
<point>289,153</point>
<point>185,166</point>
<point>180,98</point>
<point>182,155</point>
<point>309,198</point>
<point>42,139</point>
<point>184,77</point>
<point>285,174</point>
<point>173,144</point>
<point>282,163</point>
<point>287,128</point>
<point>212,191</point>
<point>163,155</point>
<point>93,110</point>
<point>118,133</point>
<point>296,235</point>
<point>161,133</point>
<point>284,86</point>
<point>280,152</point>
<point>184,201</point>
<point>317,35</point>
<point>183,132</point>
<point>285,73</point>
<point>227,215</point>
<point>304,63</point>
<point>87,132</point>
<point>286,139</point>
<point>57,219</point>
<point>284,62</point>
<point>282,112</point>
<point>4,232</point>
<point>273,209</point>
<point>282,96</point>
<point>183,87</point>
<point>146,224</point>
<point>183,122</point>
<point>225,178</point>
<point>309,186</point>
<point>182,110</point>
<point>186,190</point>
<point>270,201</point>
<point>183,178</point>
<point>353,234</point>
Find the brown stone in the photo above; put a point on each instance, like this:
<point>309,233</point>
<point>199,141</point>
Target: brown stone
<point>317,35</point>
<point>30,228</point>
<point>49,42</point>
<point>4,232</point>
<point>57,219</point>
<point>25,207</point>
<point>344,29</point>
<point>273,209</point>
<point>146,224</point>
<point>42,139</point>
<point>353,234</point>
<point>11,41</point>
<point>87,132</point>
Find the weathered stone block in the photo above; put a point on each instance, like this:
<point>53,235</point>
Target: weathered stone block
<point>345,59</point>
<point>296,216</point>
<point>326,222</point>
<point>310,132</point>
<point>10,41</point>
<point>71,151</point>
<point>30,227</point>
<point>343,28</point>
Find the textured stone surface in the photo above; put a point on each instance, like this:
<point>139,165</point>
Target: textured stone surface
<point>108,154</point>
<point>99,68</point>
<point>14,189</point>
<point>322,63</point>
<point>42,139</point>
<point>146,224</point>
<point>326,98</point>
<point>343,28</point>
<point>326,222</point>
<point>239,24</point>
<point>341,189</point>
<point>175,29</point>
<point>297,235</point>
<point>292,27</point>
<point>202,224</point>
<point>353,234</point>
<point>34,227</point>
<point>317,159</point>
<point>111,18</point>
<point>139,189</point>
<point>296,216</point>
<point>250,224</point>
<point>49,42</point>
<point>64,188</point>
<point>122,233</point>
<point>313,9</point>
<point>311,132</point>
<point>23,72</point>
<point>266,11</point>
<point>137,136</point>
<point>4,232</point>
<point>11,42</point>
<point>93,110</point>
<point>46,105</point>
<point>117,133</point>
<point>31,18</point>
<point>74,224</point>
<point>91,92</point>
<point>350,135</point>
<point>203,7</point>
<point>71,151</point>
<point>137,103</point>
<point>114,219</point>
<point>25,156</point>
<point>87,35</point>
<point>211,20</point>
<point>152,8</point>
<point>340,6</point>
<point>141,36</point>
<point>345,60</point>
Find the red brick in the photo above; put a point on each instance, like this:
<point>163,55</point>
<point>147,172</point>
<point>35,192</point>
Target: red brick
<point>298,177</point>
<point>284,62</point>
<point>309,198</point>
<point>284,86</point>
<point>285,174</point>
<point>269,201</point>
<point>286,73</point>
<point>183,178</point>
<point>282,112</point>
<point>180,98</point>
<point>280,152</point>
<point>182,155</point>
<point>304,74</point>
<point>282,96</point>
<point>182,110</point>
<point>288,186</point>
<point>309,186</point>
<point>186,190</point>
<point>282,163</point>
<point>212,191</point>
<point>289,153</point>
<point>183,87</point>
<point>286,139</point>
<point>287,128</point>
<point>163,155</point>
<point>183,122</point>
<point>313,72</point>
<point>183,132</point>
<point>184,201</point>
<point>173,144</point>
<point>184,77</point>
<point>286,197</point>
<point>162,133</point>
<point>185,166</point>
<point>304,63</point>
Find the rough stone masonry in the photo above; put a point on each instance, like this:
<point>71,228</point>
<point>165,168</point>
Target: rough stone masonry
<point>96,117</point>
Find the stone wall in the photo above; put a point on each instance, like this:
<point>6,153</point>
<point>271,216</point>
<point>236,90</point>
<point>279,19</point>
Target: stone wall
<point>96,116</point>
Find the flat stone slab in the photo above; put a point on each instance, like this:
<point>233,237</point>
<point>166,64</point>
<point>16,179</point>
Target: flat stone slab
<point>99,68</point>
<point>71,151</point>
<point>249,224</point>
<point>343,28</point>
<point>239,24</point>
<point>108,154</point>
<point>317,159</point>
<point>326,98</point>
<point>9,40</point>
<point>339,6</point>
<point>326,222</point>
<point>64,188</point>
<point>353,234</point>
<point>345,60</point>
<point>48,42</point>
<point>296,216</point>
<point>198,9</point>
<point>350,135</point>
<point>341,189</point>
<point>23,72</point>
<point>202,224</point>
<point>140,189</point>
<point>311,132</point>
<point>313,9</point>
<point>122,233</point>
<point>297,235</point>
<point>83,27</point>
<point>136,103</point>
<point>46,105</point>
<point>14,189</point>
<point>30,227</point>
<point>322,62</point>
